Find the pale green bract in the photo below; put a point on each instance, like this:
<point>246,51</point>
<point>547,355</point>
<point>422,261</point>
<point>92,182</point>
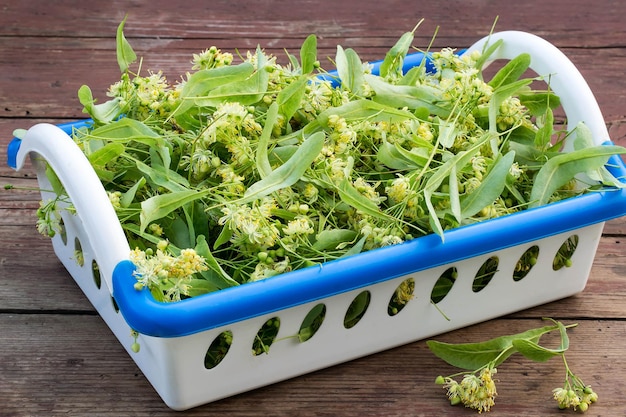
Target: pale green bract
<point>264,168</point>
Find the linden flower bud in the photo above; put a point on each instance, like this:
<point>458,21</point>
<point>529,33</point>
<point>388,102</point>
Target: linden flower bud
<point>162,245</point>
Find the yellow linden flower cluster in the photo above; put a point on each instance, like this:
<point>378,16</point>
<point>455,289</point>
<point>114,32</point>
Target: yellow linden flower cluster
<point>164,270</point>
<point>476,392</point>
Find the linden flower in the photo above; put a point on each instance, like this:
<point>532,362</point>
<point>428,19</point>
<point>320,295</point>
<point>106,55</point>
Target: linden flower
<point>318,95</point>
<point>115,198</point>
<point>399,189</point>
<point>301,225</point>
<point>252,225</point>
<point>576,395</point>
<point>48,218</point>
<point>476,392</point>
<point>211,58</point>
<point>163,269</point>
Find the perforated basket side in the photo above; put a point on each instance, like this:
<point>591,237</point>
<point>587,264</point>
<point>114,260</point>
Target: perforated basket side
<point>185,382</point>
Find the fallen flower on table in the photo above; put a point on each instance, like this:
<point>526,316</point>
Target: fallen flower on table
<point>477,389</point>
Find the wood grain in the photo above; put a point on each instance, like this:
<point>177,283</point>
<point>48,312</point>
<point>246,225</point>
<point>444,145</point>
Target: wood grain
<point>57,357</point>
<point>84,362</point>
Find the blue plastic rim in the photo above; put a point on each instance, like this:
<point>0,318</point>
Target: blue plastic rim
<point>291,289</point>
<point>14,145</point>
<point>147,316</point>
<point>12,149</point>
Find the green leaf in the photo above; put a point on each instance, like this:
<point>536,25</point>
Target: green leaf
<point>223,237</point>
<point>100,113</point>
<point>544,133</point>
<point>55,182</point>
<point>288,173</point>
<point>448,132</point>
<point>198,287</point>
<point>128,197</point>
<point>262,159</point>
<point>533,351</point>
<point>412,76</point>
<point>354,198</point>
<point>178,231</point>
<point>149,237</point>
<point>538,103</point>
<point>453,190</point>
<point>394,59</point>
<point>290,97</point>
<point>163,177</point>
<point>499,95</point>
<point>221,279</point>
<point>293,60</point>
<point>490,188</point>
<point>161,205</point>
<point>247,91</point>
<point>488,50</point>
<point>125,130</point>
<point>202,82</point>
<point>396,157</point>
<point>332,238</point>
<point>308,54</point>
<point>350,70</point>
<point>473,356</point>
<point>562,168</point>
<point>584,139</point>
<point>457,162</point>
<point>281,154</point>
<point>361,109</point>
<point>125,53</point>
<point>106,154</point>
<point>357,248</point>
<point>511,72</point>
<point>409,96</point>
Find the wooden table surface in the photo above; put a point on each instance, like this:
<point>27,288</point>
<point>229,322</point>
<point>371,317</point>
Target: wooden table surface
<point>57,357</point>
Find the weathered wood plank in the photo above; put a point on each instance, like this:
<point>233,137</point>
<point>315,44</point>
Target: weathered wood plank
<point>85,371</point>
<point>578,23</point>
<point>70,363</point>
<point>31,276</point>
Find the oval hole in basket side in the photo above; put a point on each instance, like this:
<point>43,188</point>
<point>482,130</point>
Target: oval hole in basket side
<point>563,257</point>
<point>115,306</point>
<point>78,253</point>
<point>485,273</point>
<point>95,272</point>
<point>401,296</point>
<point>443,285</point>
<point>526,263</point>
<point>265,336</point>
<point>357,309</point>
<point>218,349</point>
<point>312,322</point>
<point>62,231</point>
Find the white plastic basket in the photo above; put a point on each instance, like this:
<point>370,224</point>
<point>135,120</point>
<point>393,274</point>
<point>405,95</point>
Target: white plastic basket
<point>175,337</point>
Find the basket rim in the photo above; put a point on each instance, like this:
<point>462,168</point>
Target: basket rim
<point>150,317</point>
